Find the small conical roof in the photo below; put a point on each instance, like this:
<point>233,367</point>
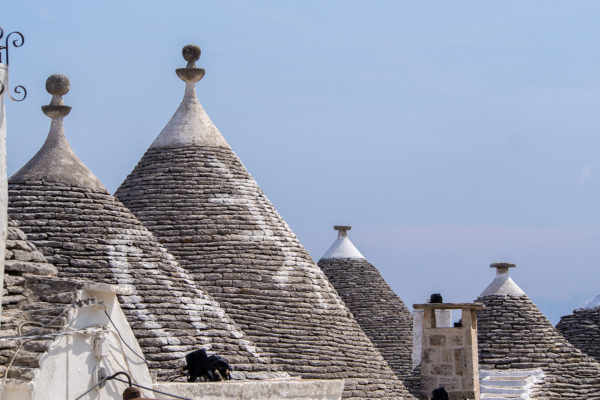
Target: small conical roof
<point>582,328</point>
<point>379,311</point>
<point>193,192</point>
<point>87,233</point>
<point>502,283</point>
<point>342,247</point>
<point>591,303</point>
<point>514,334</point>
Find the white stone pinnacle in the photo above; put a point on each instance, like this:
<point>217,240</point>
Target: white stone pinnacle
<point>503,284</point>
<point>592,303</point>
<point>56,162</point>
<point>342,247</point>
<point>190,124</point>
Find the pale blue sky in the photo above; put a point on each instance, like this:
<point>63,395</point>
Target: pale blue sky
<point>449,134</point>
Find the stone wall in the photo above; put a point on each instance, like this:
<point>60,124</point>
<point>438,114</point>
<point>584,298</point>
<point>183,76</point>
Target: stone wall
<point>449,357</point>
<point>443,319</point>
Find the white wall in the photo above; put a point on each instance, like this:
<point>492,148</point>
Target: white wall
<point>71,365</point>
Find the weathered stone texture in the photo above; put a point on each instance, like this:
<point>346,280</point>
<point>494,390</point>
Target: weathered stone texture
<point>514,334</point>
<point>33,297</point>
<point>86,233</point>
<point>203,205</point>
<point>379,311</point>
<point>582,330</point>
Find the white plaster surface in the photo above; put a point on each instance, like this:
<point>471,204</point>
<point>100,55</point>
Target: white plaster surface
<point>3,179</point>
<point>276,389</point>
<point>190,125</point>
<point>56,162</point>
<point>509,384</point>
<point>71,364</point>
<point>342,248</point>
<point>502,285</point>
<point>592,303</point>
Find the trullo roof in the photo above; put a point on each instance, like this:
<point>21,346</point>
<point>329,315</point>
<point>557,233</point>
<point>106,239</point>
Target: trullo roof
<point>192,191</point>
<point>380,312</point>
<point>582,328</point>
<point>87,233</point>
<point>514,334</point>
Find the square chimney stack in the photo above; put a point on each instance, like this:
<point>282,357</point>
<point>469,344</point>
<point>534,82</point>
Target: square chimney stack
<point>449,354</point>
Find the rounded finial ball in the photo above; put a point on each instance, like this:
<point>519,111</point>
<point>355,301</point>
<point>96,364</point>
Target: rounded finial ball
<point>191,53</point>
<point>58,84</point>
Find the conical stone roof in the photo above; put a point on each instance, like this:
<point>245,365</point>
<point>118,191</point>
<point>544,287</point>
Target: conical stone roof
<point>192,191</point>
<point>582,328</point>
<point>86,233</point>
<point>379,311</point>
<point>514,334</point>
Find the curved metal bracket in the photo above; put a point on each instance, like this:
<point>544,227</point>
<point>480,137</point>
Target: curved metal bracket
<point>17,41</point>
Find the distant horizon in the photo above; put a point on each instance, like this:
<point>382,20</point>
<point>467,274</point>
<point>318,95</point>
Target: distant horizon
<point>450,136</point>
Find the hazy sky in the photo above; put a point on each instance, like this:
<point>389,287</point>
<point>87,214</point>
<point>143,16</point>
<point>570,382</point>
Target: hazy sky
<point>448,134</point>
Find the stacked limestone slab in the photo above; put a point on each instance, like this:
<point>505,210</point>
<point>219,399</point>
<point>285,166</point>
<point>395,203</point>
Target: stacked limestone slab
<point>514,335</point>
<point>193,192</point>
<point>28,306</point>
<point>86,233</point>
<point>582,328</point>
<point>379,311</point>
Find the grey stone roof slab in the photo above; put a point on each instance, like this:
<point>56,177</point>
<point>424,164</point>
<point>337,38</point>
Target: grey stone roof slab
<point>33,296</point>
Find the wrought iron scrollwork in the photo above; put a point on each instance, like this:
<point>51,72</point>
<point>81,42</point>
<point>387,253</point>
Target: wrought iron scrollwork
<point>18,40</point>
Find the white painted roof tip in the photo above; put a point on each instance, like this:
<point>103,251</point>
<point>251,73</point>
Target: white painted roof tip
<point>342,247</point>
<point>190,125</point>
<point>56,162</point>
<point>592,303</point>
<point>502,285</point>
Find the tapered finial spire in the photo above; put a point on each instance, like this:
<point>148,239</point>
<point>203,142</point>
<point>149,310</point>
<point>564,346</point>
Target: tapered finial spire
<point>57,85</point>
<point>190,74</point>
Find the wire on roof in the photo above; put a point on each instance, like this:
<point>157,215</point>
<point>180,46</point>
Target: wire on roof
<point>123,340</point>
<point>51,321</point>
